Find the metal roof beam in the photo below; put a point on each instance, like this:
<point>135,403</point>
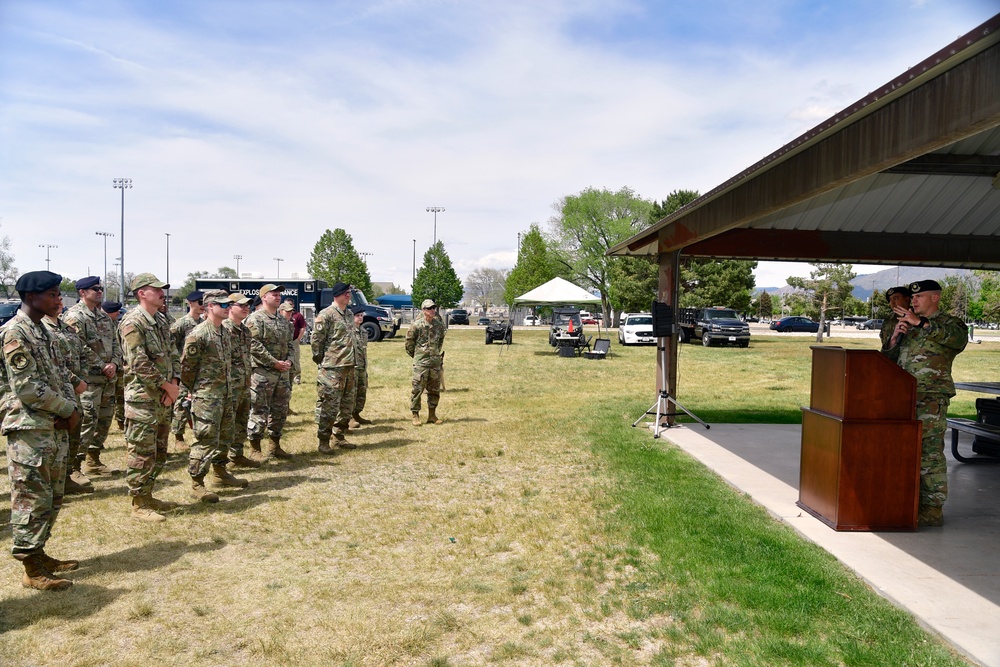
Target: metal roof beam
<point>972,252</point>
<point>947,164</point>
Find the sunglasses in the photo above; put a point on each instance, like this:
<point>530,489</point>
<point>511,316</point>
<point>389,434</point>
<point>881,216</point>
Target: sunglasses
<point>97,289</point>
<point>224,305</point>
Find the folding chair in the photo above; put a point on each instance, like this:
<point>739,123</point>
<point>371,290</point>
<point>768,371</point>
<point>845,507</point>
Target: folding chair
<point>601,348</point>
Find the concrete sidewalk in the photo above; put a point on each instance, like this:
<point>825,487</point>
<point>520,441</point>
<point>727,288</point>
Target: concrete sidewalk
<point>946,577</point>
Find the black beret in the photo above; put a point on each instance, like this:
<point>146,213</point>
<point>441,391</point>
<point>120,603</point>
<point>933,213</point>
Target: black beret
<point>37,281</point>
<point>905,291</point>
<point>256,302</point>
<point>339,288</point>
<point>196,295</point>
<point>111,306</point>
<point>88,282</point>
<point>925,286</point>
<point>358,310</point>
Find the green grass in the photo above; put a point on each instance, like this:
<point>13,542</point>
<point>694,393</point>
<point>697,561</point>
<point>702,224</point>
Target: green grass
<point>533,527</point>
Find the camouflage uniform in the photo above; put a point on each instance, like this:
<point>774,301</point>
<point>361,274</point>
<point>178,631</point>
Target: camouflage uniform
<point>150,360</point>
<point>97,333</point>
<point>179,331</point>
<point>36,393</point>
<point>206,367</point>
<point>888,326</point>
<point>270,391</point>
<point>71,358</point>
<point>927,354</point>
<point>360,372</point>
<point>423,342</point>
<point>239,385</point>
<point>334,340</point>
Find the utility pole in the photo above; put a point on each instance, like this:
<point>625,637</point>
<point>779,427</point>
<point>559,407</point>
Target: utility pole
<point>237,258</point>
<point>122,184</point>
<point>279,261</point>
<point>47,247</point>
<point>435,210</point>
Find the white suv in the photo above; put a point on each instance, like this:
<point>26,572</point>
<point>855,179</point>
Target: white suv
<point>636,328</point>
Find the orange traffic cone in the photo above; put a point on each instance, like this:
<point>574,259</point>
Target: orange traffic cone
<point>570,330</point>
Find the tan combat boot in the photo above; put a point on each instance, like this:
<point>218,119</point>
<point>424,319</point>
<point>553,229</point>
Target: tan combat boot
<point>220,478</point>
<point>416,419</point>
<point>161,505</point>
<point>342,442</point>
<point>143,510</point>
<point>200,493</point>
<point>36,576</point>
<point>57,566</point>
<point>77,474</point>
<point>324,446</point>
<point>361,421</point>
<point>241,461</point>
<point>92,464</point>
<point>432,417</point>
<point>276,450</point>
<point>72,487</point>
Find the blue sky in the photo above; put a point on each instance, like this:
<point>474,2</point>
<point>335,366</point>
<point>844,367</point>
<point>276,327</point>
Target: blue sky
<point>251,127</point>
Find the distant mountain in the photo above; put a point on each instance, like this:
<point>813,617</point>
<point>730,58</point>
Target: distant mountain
<point>883,280</point>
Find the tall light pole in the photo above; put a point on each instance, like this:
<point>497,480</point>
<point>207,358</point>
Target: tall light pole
<point>413,280</point>
<point>104,277</point>
<point>122,184</point>
<point>168,268</point>
<point>121,288</point>
<point>364,256</point>
<point>47,247</point>
<point>279,261</point>
<point>237,258</point>
<point>435,210</point>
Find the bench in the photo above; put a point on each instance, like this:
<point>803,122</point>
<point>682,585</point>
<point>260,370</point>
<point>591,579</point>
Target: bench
<point>980,430</point>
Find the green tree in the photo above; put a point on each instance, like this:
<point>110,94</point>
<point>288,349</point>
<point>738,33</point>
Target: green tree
<point>587,225</point>
<point>989,295</point>
<point>765,305</point>
<point>436,279</point>
<point>225,272</point>
<point>712,282</point>
<point>829,285</point>
<point>181,292</point>
<point>68,287</point>
<point>533,268</point>
<point>635,280</point>
<point>334,259</point>
<point>958,295</point>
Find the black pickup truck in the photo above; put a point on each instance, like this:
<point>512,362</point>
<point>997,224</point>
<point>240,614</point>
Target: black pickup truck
<point>714,326</point>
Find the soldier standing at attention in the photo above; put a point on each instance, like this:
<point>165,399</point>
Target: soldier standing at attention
<point>239,385</point>
<point>68,355</point>
<point>898,297</point>
<point>35,407</point>
<point>152,379</point>
<point>179,331</point>
<point>97,333</point>
<point>333,343</point>
<point>924,343</point>
<point>270,352</point>
<point>423,342</point>
<point>360,369</point>
<point>114,311</point>
<point>206,369</point>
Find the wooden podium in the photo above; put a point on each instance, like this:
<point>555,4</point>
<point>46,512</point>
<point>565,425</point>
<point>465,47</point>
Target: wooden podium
<point>860,465</point>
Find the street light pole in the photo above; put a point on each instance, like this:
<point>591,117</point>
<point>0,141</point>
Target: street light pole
<point>122,184</point>
<point>237,258</point>
<point>121,289</point>
<point>47,248</point>
<point>435,210</point>
<point>104,278</point>
<point>279,261</point>
<point>365,256</point>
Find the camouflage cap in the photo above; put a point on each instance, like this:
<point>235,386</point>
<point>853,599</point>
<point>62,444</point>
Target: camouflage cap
<point>286,308</point>
<point>216,296</point>
<point>905,291</point>
<point>428,303</point>
<point>925,286</point>
<point>147,280</point>
<point>270,287</point>
<point>239,298</point>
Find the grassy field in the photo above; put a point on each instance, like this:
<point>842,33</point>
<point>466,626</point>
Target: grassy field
<point>533,527</point>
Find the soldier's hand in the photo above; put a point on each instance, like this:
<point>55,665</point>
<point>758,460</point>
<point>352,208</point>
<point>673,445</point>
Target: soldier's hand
<point>170,393</point>
<point>68,423</point>
<point>110,371</point>
<point>80,388</point>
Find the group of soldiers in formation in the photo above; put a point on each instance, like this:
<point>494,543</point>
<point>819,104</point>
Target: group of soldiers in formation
<point>225,369</point>
<point>924,341</point>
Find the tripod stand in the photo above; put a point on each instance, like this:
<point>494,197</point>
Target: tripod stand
<point>663,401</point>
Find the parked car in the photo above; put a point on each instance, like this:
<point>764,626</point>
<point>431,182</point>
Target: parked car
<point>795,323</point>
<point>8,310</point>
<point>871,324</point>
<point>532,321</point>
<point>590,319</point>
<point>459,316</point>
<point>635,329</point>
<point>483,322</point>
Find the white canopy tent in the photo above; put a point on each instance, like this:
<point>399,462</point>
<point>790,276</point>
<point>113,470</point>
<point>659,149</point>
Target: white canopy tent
<point>557,292</point>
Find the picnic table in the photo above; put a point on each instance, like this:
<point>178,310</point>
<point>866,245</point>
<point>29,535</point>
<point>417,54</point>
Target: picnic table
<point>569,344</point>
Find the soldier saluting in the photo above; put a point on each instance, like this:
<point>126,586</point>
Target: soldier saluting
<point>924,343</point>
<point>34,409</point>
